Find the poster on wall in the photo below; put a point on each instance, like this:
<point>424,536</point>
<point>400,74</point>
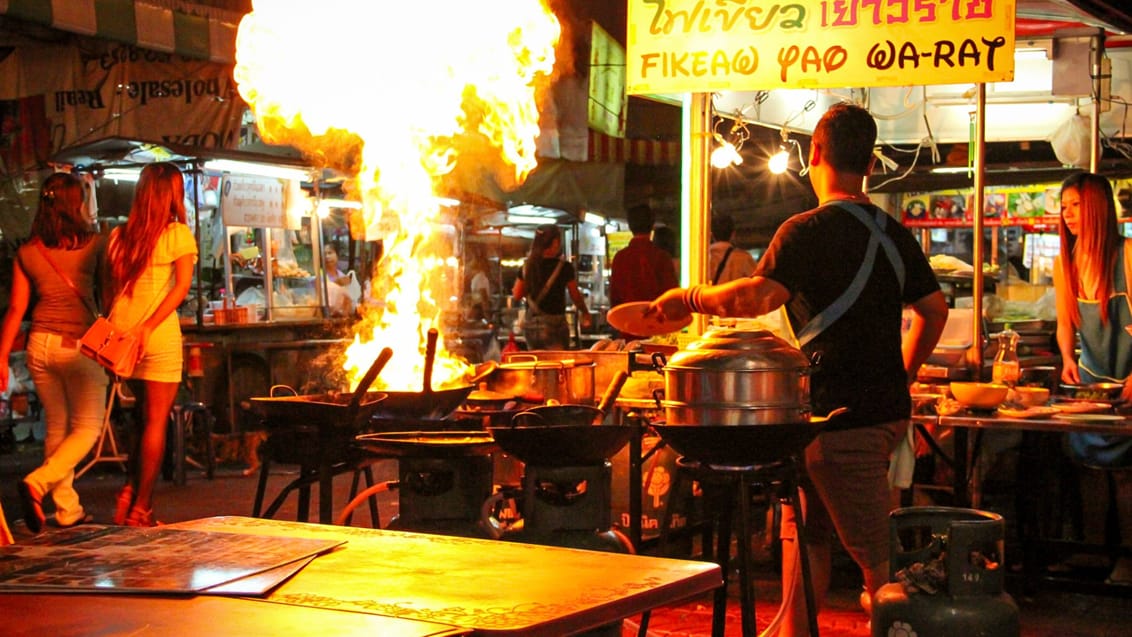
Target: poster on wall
<point>1034,207</point>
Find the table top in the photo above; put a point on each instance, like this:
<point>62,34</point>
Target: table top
<point>1052,424</point>
<point>488,586</point>
<point>89,614</point>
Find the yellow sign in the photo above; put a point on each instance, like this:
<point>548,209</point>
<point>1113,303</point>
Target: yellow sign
<point>683,46</point>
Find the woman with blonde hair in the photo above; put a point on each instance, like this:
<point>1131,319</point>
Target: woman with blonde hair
<point>63,264</point>
<point>151,260</point>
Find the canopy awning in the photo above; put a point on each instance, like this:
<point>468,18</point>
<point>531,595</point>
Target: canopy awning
<point>171,26</point>
<point>643,152</point>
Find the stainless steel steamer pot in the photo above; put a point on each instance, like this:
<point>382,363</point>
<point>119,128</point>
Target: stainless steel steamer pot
<point>737,377</point>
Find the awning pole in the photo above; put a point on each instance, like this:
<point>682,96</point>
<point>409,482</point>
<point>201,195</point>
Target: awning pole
<point>975,356</point>
<point>695,200</point>
<point>1096,65</point>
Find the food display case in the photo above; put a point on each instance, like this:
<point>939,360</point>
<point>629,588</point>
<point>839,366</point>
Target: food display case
<point>257,313</point>
<point>254,216</point>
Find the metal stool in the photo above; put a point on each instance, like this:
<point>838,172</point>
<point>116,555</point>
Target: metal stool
<point>724,485</point>
<point>184,419</point>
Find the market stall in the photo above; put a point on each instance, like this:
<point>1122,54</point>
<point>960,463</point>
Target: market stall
<point>258,291</point>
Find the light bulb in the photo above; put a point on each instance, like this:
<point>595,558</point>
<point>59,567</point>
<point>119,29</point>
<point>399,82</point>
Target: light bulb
<point>725,155</point>
<point>779,161</point>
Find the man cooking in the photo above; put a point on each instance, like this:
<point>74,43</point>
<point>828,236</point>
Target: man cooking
<point>844,271</point>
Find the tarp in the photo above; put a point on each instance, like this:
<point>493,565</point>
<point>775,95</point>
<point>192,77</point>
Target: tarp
<point>56,95</point>
<point>171,26</point>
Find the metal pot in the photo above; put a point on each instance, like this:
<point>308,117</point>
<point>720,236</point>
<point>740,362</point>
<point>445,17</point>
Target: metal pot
<point>736,377</point>
<point>537,381</point>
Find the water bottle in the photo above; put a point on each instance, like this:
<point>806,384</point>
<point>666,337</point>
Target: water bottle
<point>1006,368</point>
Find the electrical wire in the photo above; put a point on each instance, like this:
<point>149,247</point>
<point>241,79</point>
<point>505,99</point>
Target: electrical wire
<point>915,159</point>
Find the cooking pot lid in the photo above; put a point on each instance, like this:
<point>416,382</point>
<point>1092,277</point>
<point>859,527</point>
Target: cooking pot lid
<point>731,349</point>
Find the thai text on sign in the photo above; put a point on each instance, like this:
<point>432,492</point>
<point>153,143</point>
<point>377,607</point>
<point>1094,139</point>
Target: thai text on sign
<point>679,46</point>
<point>253,201</point>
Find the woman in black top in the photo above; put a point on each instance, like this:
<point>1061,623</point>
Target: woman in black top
<point>544,281</point>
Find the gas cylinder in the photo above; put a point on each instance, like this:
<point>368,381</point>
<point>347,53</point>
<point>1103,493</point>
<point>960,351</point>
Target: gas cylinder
<point>945,576</point>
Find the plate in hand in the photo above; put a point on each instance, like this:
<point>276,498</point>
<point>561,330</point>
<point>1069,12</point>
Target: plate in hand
<point>630,318</point>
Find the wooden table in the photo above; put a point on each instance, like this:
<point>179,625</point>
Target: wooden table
<point>490,587</point>
<point>43,615</point>
<point>993,422</point>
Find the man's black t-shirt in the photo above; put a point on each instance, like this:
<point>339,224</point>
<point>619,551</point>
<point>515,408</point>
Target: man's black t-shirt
<point>815,255</point>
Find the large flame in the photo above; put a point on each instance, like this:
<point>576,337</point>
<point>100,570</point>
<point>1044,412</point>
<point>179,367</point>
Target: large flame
<point>395,94</point>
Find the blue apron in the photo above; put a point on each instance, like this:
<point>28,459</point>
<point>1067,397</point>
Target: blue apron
<point>1106,356</point>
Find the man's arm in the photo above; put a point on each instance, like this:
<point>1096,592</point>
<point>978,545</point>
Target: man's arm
<point>929,316</point>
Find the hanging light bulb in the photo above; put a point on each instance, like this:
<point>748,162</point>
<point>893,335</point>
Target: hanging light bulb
<point>779,161</point>
<point>725,154</point>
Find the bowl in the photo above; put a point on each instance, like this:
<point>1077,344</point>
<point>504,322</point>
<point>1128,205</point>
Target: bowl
<point>979,395</point>
<point>1031,396</point>
<point>1093,391</point>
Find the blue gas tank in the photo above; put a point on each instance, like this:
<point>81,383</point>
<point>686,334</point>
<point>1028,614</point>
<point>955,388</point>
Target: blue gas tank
<point>958,553</point>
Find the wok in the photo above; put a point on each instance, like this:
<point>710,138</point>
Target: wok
<point>565,435</point>
<point>343,410</point>
<point>427,404</point>
<point>726,445</point>
<point>562,445</point>
<point>428,444</point>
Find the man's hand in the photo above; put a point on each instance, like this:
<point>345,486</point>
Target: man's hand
<point>669,306</point>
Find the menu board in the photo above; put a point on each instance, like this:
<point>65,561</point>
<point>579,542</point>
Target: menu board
<point>118,559</point>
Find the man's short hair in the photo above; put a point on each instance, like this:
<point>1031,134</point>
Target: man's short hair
<point>847,134</point>
<point>641,219</point>
<point>722,227</point>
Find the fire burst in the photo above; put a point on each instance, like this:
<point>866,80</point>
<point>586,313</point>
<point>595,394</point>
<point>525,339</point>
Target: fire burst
<point>395,94</point>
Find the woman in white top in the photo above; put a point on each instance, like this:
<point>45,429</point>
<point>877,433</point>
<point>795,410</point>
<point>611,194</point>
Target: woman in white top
<point>151,261</point>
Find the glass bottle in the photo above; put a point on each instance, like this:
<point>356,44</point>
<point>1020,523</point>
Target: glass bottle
<point>1006,368</point>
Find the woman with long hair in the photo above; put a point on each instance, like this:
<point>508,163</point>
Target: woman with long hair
<point>151,261</point>
<point>63,264</point>
<point>544,281</point>
<point>1091,285</point>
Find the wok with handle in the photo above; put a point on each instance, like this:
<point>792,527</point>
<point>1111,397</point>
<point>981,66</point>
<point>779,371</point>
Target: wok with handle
<point>428,404</point>
<point>565,435</point>
<point>343,410</point>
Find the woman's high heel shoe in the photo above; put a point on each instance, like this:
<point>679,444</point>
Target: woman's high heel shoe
<point>141,517</point>
<point>125,501</point>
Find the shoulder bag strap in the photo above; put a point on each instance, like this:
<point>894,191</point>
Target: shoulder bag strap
<point>722,263</point>
<point>47,257</point>
<point>877,237</point>
<point>533,301</point>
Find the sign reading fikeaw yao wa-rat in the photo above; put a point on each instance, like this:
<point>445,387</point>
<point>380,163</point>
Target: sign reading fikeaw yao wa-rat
<point>682,46</point>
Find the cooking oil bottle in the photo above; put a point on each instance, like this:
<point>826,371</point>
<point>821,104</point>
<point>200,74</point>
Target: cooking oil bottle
<point>1006,368</point>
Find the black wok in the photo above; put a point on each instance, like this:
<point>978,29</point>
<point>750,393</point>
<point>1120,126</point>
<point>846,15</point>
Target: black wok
<point>343,410</point>
<point>562,445</point>
<point>428,444</point>
<point>740,445</point>
<point>565,435</point>
<point>427,404</point>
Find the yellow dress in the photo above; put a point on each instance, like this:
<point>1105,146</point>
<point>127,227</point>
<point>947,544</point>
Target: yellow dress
<point>162,359</point>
